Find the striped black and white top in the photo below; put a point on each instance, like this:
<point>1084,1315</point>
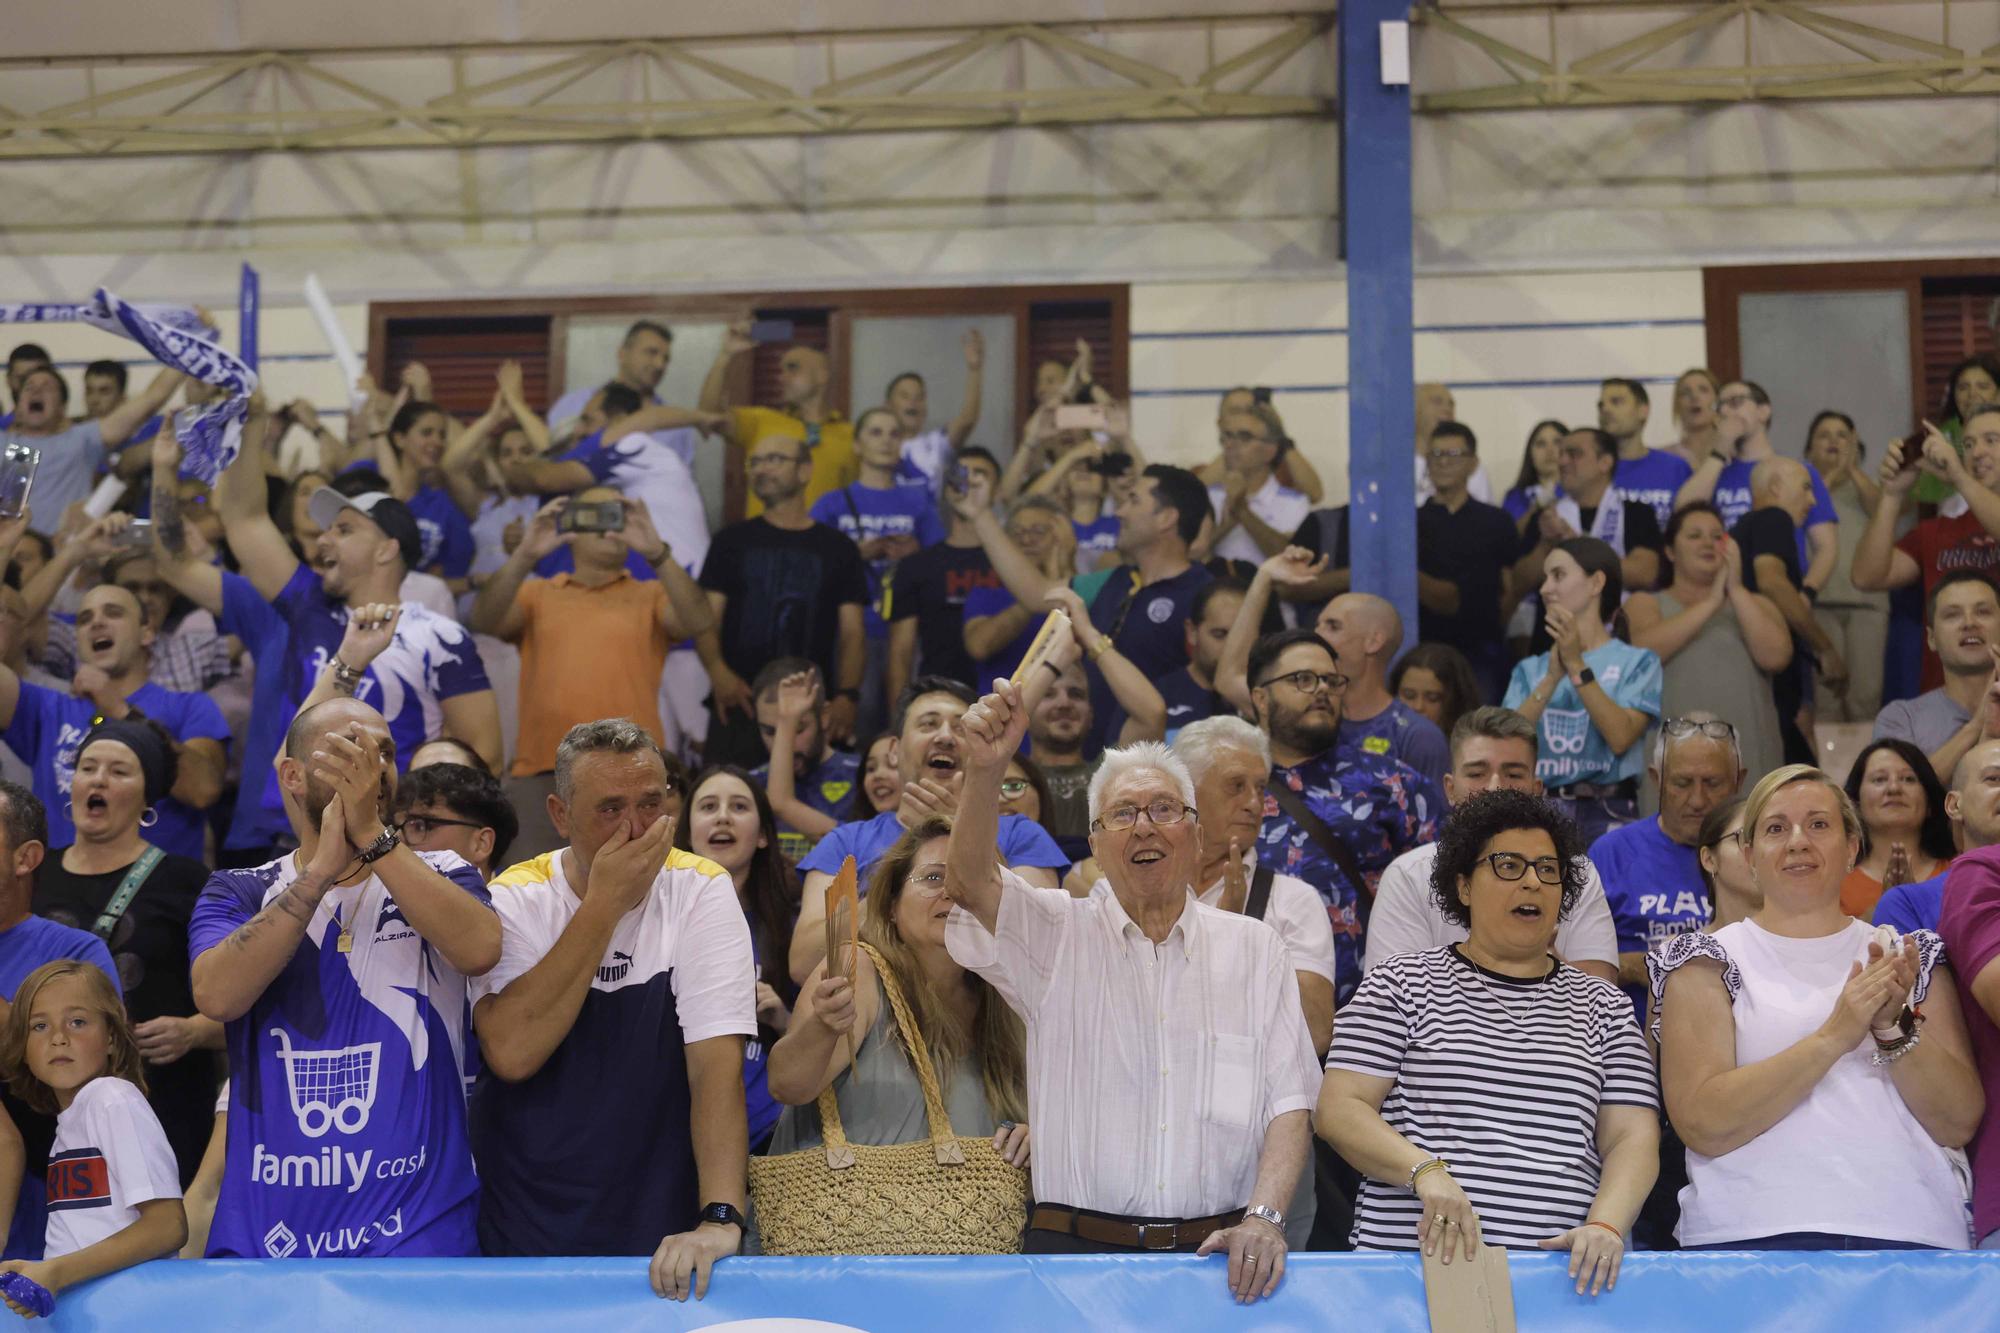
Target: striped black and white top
<point>1500,1077</point>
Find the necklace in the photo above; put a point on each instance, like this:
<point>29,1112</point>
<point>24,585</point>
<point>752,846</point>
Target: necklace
<point>1498,992</point>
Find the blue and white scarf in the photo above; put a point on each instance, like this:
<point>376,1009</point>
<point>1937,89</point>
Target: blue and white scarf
<point>175,336</point>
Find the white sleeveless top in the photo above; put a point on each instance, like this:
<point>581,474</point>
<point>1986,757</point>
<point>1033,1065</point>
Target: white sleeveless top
<point>1851,1159</point>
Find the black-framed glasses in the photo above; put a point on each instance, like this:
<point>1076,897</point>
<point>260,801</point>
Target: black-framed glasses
<point>1162,812</point>
<point>1243,437</point>
<point>1511,867</point>
<point>1309,682</point>
<point>1678,727</point>
<point>422,826</point>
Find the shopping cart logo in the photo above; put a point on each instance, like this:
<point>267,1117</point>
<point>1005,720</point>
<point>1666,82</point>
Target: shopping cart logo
<point>280,1243</point>
<point>1566,730</point>
<point>330,1089</point>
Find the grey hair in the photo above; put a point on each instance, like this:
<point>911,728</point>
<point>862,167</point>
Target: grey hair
<point>614,735</point>
<point>1145,756</point>
<point>1661,743</point>
<point>1200,744</point>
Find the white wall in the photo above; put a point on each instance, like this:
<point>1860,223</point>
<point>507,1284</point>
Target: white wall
<point>1514,348</point>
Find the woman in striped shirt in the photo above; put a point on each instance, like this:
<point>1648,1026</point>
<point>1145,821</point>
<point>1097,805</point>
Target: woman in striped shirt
<point>1488,1090</point>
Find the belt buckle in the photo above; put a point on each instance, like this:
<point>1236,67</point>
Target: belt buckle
<point>1168,1232</point>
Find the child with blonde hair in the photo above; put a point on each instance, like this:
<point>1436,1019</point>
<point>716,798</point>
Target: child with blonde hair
<point>114,1188</point>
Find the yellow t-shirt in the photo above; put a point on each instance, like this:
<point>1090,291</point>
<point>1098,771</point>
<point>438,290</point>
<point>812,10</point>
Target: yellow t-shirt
<point>833,454</point>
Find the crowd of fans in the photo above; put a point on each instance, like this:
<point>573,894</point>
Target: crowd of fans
<point>435,851</point>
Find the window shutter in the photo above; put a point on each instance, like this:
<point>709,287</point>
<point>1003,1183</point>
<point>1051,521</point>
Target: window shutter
<point>463,354</point>
<point>1958,317</point>
<point>1054,327</point>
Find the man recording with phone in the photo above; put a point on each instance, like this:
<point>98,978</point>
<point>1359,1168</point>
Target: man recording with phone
<point>70,455</point>
<point>593,641</point>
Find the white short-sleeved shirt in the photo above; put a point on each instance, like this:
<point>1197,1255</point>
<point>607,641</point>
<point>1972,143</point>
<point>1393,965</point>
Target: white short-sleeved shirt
<point>1403,919</point>
<point>110,1155</point>
<point>1153,1069</point>
<point>689,932</point>
<point>1278,507</point>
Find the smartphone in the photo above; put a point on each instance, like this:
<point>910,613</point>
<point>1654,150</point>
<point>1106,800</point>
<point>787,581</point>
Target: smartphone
<point>959,478</point>
<point>1913,449</point>
<point>1080,416</point>
<point>1112,465</point>
<point>596,516</point>
<point>138,534</point>
<point>771,330</point>
<point>17,478</point>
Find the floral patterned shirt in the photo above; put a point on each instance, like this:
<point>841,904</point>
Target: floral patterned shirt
<point>1378,806</point>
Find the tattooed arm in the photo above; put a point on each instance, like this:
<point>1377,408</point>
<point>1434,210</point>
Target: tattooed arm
<point>229,977</point>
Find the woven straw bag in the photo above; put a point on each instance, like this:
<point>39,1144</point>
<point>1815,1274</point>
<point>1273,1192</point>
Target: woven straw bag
<point>941,1195</point>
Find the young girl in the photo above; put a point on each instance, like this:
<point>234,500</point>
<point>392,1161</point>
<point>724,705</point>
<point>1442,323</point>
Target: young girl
<point>114,1190</point>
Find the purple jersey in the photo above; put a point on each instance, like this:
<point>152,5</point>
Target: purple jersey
<point>347,1125</point>
<point>431,659</point>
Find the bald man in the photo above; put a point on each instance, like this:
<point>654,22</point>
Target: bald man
<point>46,727</point>
<point>1781,500</point>
<point>1434,406</point>
<point>801,412</point>
<point>1365,634</point>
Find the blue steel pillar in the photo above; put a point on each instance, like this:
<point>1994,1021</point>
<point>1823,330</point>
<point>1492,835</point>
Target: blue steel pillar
<point>1375,232</point>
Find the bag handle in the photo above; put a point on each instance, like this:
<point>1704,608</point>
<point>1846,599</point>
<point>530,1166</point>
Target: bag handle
<point>944,1143</point>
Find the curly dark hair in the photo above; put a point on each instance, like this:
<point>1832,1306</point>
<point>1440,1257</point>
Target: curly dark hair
<point>1474,824</point>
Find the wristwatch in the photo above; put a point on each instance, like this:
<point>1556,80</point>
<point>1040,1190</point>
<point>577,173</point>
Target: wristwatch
<point>1271,1215</point>
<point>1585,677</point>
<point>720,1213</point>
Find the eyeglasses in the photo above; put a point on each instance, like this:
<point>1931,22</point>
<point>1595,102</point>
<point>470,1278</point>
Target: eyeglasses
<point>1733,400</point>
<point>1011,788</point>
<point>1243,437</point>
<point>422,826</point>
<point>1678,727</point>
<point>1310,682</point>
<point>1162,812</point>
<point>928,886</point>
<point>1511,867</point>
<point>1450,455</point>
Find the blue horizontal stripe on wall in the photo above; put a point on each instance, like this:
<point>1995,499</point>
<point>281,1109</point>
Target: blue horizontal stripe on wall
<point>1185,335</point>
<point>1588,382</point>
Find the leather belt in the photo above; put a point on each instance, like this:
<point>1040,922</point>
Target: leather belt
<point>1104,1229</point>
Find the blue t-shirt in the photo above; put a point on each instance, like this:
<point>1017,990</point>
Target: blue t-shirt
<point>1378,806</point>
<point>1732,499</point>
<point>1402,731</point>
<point>49,727</point>
<point>1570,747</point>
<point>983,601</point>
<point>431,659</point>
<point>863,514</point>
<point>826,789</point>
<point>347,1130</point>
<point>1022,843</point>
<point>1147,625</point>
<point>1187,702</point>
<point>1096,541</point>
<point>447,536</point>
<point>1652,480</point>
<point>1655,889</point>
<point>24,947</point>
<point>1910,907</point>
<point>265,635</point>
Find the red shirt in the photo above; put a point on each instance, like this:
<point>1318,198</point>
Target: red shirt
<point>1942,546</point>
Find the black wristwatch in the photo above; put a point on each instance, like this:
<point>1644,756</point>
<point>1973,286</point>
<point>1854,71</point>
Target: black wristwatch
<point>1585,677</point>
<point>720,1213</point>
<point>382,846</point>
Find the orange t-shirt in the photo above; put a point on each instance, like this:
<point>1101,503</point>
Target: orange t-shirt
<point>587,653</point>
<point>834,465</point>
<point>1860,891</point>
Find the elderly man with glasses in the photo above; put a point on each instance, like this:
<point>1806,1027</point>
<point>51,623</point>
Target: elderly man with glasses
<point>1652,869</point>
<point>1169,1065</point>
<point>1335,814</point>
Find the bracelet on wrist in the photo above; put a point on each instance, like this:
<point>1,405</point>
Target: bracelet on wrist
<point>1421,1169</point>
<point>1608,1227</point>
